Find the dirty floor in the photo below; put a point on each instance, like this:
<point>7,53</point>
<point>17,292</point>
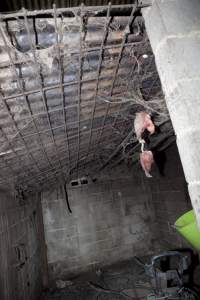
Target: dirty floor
<point>119,282</point>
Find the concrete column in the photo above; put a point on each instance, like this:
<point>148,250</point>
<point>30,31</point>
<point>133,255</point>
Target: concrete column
<point>173,27</point>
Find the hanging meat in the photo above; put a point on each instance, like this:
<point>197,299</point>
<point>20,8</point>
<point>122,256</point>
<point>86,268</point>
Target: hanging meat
<point>143,121</point>
<point>146,160</point>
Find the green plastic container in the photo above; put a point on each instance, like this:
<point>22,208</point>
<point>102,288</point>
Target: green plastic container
<point>186,225</point>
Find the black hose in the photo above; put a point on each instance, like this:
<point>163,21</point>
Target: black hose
<point>67,199</point>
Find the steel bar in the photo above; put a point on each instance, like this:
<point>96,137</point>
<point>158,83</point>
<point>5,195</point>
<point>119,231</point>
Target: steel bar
<point>126,32</point>
<point>39,76</point>
<point>152,85</point>
<point>9,141</point>
<point>52,87</point>
<point>129,81</point>
<point>118,148</point>
<point>84,50</point>
<point>62,154</point>
<point>61,76</point>
<point>42,132</point>
<point>16,154</point>
<point>99,70</point>
<point>21,88</point>
<point>127,88</point>
<point>81,31</point>
<point>50,172</point>
<point>75,10</point>
<point>86,132</point>
<point>51,111</point>
<point>26,100</point>
<point>37,70</point>
<point>52,180</point>
<point>24,171</point>
<point>9,166</point>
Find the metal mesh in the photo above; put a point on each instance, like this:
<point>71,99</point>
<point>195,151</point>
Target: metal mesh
<point>71,81</point>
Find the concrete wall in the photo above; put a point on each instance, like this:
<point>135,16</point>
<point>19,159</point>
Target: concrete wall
<point>173,28</point>
<point>112,220</point>
<point>20,248</point>
<point>121,215</point>
<point>170,199</point>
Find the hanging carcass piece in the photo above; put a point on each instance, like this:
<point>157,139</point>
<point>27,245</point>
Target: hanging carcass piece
<point>143,121</point>
<point>146,160</point>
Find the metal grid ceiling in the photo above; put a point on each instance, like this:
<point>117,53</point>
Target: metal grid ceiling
<point>71,82</point>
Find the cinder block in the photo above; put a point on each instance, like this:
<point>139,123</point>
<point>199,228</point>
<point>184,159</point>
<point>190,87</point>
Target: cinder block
<point>87,239</point>
<point>180,16</point>
<point>61,233</point>
<point>189,152</point>
<point>171,18</point>
<point>154,25</point>
<point>176,60</point>
<point>184,104</point>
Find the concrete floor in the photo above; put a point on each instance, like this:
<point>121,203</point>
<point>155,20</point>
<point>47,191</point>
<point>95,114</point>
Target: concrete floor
<point>119,282</point>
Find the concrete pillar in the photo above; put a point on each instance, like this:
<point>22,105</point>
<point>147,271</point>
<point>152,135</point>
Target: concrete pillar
<point>173,27</point>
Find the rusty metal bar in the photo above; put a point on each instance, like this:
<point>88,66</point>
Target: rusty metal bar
<point>36,115</point>
<point>85,50</point>
<point>126,32</point>
<point>9,166</point>
<point>127,88</point>
<point>52,87</point>
<point>73,160</point>
<point>16,154</point>
<point>41,131</point>
<point>49,173</point>
<point>118,148</point>
<point>75,10</point>
<point>37,70</point>
<point>26,100</point>
<point>152,85</point>
<point>39,77</point>
<point>19,83</point>
<point>99,70</point>
<point>20,160</point>
<point>129,81</point>
<point>81,29</point>
<point>71,137</point>
<point>61,75</point>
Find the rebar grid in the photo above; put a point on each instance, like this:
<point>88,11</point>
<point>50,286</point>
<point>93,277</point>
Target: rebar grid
<point>66,154</point>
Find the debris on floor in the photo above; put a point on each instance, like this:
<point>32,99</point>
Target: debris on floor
<point>120,282</point>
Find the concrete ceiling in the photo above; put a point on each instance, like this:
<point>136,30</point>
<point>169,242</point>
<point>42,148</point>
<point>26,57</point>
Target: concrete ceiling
<point>71,83</point>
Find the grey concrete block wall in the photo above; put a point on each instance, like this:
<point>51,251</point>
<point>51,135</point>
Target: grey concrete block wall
<point>20,248</point>
<point>121,215</point>
<point>112,220</point>
<point>173,28</point>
